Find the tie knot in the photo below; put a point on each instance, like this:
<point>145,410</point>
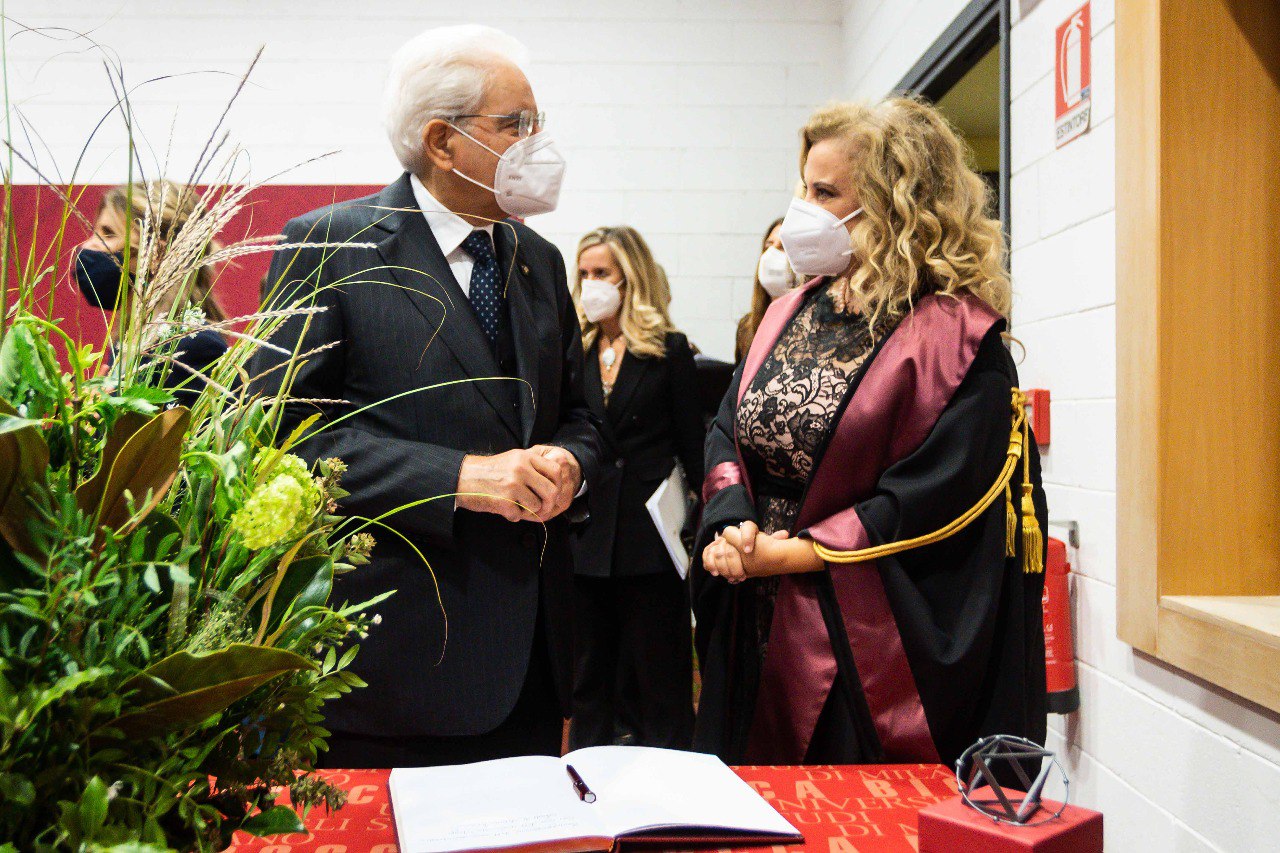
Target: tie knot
<point>479,246</point>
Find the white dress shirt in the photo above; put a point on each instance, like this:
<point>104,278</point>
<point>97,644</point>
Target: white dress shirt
<point>450,230</point>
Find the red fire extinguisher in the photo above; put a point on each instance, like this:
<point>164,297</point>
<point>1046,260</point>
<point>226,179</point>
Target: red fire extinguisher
<point>1059,641</point>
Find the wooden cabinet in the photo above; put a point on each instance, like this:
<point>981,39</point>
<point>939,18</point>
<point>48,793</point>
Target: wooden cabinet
<point>1198,337</point>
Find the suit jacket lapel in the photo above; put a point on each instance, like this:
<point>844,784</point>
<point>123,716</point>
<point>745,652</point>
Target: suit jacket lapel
<point>524,332</point>
<point>413,256</point>
<point>630,373</point>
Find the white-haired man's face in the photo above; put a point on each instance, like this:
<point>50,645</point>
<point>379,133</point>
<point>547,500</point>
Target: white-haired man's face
<point>507,95</point>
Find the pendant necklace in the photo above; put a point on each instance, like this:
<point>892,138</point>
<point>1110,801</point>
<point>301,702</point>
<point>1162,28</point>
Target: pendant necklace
<point>609,357</point>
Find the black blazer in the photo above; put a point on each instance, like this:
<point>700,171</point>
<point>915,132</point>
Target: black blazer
<point>653,418</point>
<point>198,352</point>
<point>405,330</point>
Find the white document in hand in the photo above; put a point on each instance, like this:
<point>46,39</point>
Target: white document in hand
<point>668,509</point>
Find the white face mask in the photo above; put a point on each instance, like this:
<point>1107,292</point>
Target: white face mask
<point>600,299</point>
<point>529,174</point>
<point>816,242</point>
<point>775,273</point>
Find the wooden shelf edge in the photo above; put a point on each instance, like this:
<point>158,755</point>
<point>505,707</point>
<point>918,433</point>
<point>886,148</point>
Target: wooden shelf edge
<point>1195,635</point>
<point>1255,617</point>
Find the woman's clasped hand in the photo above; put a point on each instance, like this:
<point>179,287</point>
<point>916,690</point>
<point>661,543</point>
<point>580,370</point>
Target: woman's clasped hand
<point>744,551</point>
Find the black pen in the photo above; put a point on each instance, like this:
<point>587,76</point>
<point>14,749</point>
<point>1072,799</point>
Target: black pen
<point>580,787</point>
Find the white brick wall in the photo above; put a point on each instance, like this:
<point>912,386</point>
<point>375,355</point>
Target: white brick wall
<point>677,116</point>
<point>1175,764</point>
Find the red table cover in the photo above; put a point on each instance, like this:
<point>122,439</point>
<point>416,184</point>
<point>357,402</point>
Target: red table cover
<point>840,809</point>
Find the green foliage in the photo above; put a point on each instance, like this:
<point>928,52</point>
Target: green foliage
<point>159,680</point>
<point>167,639</point>
<point>167,635</point>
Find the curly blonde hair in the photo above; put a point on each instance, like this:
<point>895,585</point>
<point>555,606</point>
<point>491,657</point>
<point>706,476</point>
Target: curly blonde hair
<point>644,315</point>
<point>926,225</point>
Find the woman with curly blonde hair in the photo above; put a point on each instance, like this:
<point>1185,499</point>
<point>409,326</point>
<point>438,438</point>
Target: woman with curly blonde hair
<point>633,654</point>
<point>868,590</point>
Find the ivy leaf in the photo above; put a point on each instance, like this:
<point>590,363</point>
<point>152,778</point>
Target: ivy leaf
<point>60,688</point>
<point>17,789</point>
<point>93,807</point>
<point>277,820</point>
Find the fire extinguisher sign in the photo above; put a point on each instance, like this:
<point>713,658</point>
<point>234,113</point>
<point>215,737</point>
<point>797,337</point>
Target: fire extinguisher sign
<point>1071,77</point>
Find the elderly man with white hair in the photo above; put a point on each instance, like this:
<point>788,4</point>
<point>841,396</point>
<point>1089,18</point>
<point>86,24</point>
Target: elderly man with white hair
<point>453,347</point>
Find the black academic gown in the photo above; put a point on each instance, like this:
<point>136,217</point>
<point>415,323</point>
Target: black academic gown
<point>911,657</point>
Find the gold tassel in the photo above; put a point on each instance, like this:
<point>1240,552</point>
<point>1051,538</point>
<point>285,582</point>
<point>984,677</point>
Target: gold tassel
<point>1010,524</point>
<point>1032,538</point>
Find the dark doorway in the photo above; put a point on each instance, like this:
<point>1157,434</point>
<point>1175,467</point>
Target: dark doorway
<point>965,73</point>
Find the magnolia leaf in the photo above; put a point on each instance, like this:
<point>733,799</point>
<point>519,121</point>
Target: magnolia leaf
<point>277,820</point>
<point>9,423</point>
<point>185,689</point>
<point>144,465</point>
<point>24,463</point>
<point>123,429</point>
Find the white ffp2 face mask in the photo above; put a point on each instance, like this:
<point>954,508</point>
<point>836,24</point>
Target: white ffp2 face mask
<point>529,174</point>
<point>816,242</point>
<point>775,273</point>
<point>600,299</point>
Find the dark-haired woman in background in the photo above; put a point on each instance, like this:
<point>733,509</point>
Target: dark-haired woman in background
<point>632,608</point>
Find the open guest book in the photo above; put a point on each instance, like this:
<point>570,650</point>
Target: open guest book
<point>535,803</point>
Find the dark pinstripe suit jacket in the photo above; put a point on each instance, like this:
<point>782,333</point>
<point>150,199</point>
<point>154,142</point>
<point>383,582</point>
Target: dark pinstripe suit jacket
<point>403,325</point>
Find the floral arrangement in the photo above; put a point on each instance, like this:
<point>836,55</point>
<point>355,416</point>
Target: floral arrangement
<point>167,635</point>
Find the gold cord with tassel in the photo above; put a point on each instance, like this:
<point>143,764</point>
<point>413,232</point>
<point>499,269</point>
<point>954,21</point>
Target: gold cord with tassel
<point>1032,539</point>
<point>1010,524</point>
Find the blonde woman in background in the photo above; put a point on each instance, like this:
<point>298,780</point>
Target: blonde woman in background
<point>877,406</point>
<point>774,277</point>
<point>631,607</point>
<point>164,207</point>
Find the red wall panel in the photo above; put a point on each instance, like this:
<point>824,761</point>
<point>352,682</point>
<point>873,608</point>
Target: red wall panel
<point>37,211</point>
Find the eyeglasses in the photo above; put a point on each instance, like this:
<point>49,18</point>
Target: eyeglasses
<point>525,122</point>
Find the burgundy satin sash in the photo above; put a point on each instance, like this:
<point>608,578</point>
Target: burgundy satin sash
<point>896,405</point>
<point>722,476</point>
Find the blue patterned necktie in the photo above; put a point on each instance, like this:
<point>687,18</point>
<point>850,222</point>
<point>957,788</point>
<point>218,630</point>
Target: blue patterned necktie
<point>485,292</point>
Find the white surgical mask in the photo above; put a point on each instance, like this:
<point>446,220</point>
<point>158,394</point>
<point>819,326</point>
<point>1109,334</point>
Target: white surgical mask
<point>816,242</point>
<point>775,273</point>
<point>600,299</point>
<point>529,174</point>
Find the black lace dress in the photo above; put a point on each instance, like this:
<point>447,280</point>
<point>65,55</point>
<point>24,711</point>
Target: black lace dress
<point>785,416</point>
